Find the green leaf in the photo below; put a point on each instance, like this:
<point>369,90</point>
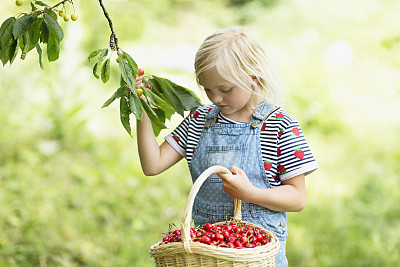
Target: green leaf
<point>52,14</point>
<point>169,91</point>
<point>53,46</point>
<point>124,114</point>
<point>131,62</point>
<point>26,43</point>
<point>103,54</point>
<point>117,94</point>
<point>136,106</point>
<point>126,72</point>
<point>161,116</point>
<point>45,33</point>
<point>169,111</point>
<point>157,123</point>
<point>34,32</point>
<point>96,70</point>
<point>4,56</point>
<point>6,35</point>
<point>40,3</point>
<point>22,24</point>
<point>105,71</point>
<point>34,8</point>
<point>94,54</point>
<point>13,51</point>
<point>159,87</point>
<point>187,97</point>
<point>52,24</point>
<point>39,50</point>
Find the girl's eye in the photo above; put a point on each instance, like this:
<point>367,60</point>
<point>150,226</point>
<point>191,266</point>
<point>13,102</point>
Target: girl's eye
<point>226,91</point>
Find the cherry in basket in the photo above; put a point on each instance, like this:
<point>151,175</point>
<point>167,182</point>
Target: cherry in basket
<point>231,235</point>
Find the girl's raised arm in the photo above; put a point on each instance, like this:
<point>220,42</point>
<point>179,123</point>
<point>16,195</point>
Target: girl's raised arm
<point>154,158</point>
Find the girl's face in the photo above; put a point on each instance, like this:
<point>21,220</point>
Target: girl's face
<point>231,99</point>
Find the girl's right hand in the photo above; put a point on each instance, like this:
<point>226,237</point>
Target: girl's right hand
<point>139,84</point>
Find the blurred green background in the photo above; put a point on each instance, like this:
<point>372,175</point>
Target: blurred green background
<point>72,192</point>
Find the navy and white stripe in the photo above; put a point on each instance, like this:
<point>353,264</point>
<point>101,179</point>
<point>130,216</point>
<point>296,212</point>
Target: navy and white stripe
<point>278,149</point>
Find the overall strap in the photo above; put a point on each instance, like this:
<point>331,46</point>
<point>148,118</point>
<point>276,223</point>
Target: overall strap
<point>261,114</point>
<point>210,116</point>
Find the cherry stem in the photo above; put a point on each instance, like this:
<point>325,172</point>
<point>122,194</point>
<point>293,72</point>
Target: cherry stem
<point>113,36</point>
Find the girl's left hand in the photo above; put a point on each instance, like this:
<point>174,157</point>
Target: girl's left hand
<point>237,184</point>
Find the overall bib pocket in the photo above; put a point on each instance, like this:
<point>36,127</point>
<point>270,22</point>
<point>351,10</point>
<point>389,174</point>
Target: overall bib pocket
<point>227,156</point>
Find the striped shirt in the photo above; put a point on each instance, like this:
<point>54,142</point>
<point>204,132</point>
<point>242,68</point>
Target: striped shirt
<point>284,149</point>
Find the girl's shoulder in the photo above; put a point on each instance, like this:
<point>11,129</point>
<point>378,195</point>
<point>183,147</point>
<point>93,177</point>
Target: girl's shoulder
<point>281,114</point>
<point>201,111</point>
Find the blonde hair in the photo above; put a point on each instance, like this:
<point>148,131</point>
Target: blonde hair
<point>238,58</point>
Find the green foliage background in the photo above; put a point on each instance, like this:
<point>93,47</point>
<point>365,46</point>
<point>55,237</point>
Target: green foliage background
<point>72,192</point>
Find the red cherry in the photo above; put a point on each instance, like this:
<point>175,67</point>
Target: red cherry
<point>231,245</point>
<point>148,86</point>
<point>237,230</point>
<point>219,236</point>
<point>250,232</point>
<point>205,240</point>
<point>208,227</point>
<point>238,244</point>
<point>140,72</point>
<point>259,237</point>
<point>244,240</point>
<point>177,232</point>
<point>230,238</point>
<point>212,236</point>
<point>199,233</point>
<point>218,228</point>
<point>229,228</point>
<point>250,245</point>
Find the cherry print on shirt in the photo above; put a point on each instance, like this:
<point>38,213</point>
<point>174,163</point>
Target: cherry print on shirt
<point>267,165</point>
<point>278,152</point>
<point>216,121</point>
<point>196,115</point>
<point>298,153</point>
<point>281,130</point>
<point>176,138</point>
<point>279,116</point>
<point>275,177</point>
<point>263,126</point>
<point>295,131</point>
<point>281,169</point>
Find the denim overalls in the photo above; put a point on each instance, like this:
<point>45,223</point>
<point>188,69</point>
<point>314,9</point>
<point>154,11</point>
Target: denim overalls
<point>234,145</point>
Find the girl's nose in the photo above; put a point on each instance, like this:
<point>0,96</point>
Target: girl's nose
<point>216,98</point>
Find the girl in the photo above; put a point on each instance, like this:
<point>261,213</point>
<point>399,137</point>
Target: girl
<point>243,130</point>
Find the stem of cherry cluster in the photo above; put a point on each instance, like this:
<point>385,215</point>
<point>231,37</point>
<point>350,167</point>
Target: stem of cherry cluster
<point>113,37</point>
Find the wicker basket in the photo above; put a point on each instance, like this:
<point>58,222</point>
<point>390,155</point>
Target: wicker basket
<point>189,253</point>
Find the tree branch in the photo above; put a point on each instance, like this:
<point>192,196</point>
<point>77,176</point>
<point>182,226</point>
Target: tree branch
<point>113,36</point>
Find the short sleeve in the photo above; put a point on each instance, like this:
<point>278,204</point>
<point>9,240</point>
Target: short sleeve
<point>178,138</point>
<point>294,154</point>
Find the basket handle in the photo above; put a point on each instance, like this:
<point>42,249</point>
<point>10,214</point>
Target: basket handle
<point>187,217</point>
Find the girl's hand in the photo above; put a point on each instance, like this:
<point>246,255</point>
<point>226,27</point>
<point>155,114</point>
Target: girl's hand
<point>237,184</point>
<point>139,84</point>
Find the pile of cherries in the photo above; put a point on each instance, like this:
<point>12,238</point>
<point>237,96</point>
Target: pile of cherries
<point>231,236</point>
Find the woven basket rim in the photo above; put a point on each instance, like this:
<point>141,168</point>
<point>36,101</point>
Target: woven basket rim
<point>236,254</point>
